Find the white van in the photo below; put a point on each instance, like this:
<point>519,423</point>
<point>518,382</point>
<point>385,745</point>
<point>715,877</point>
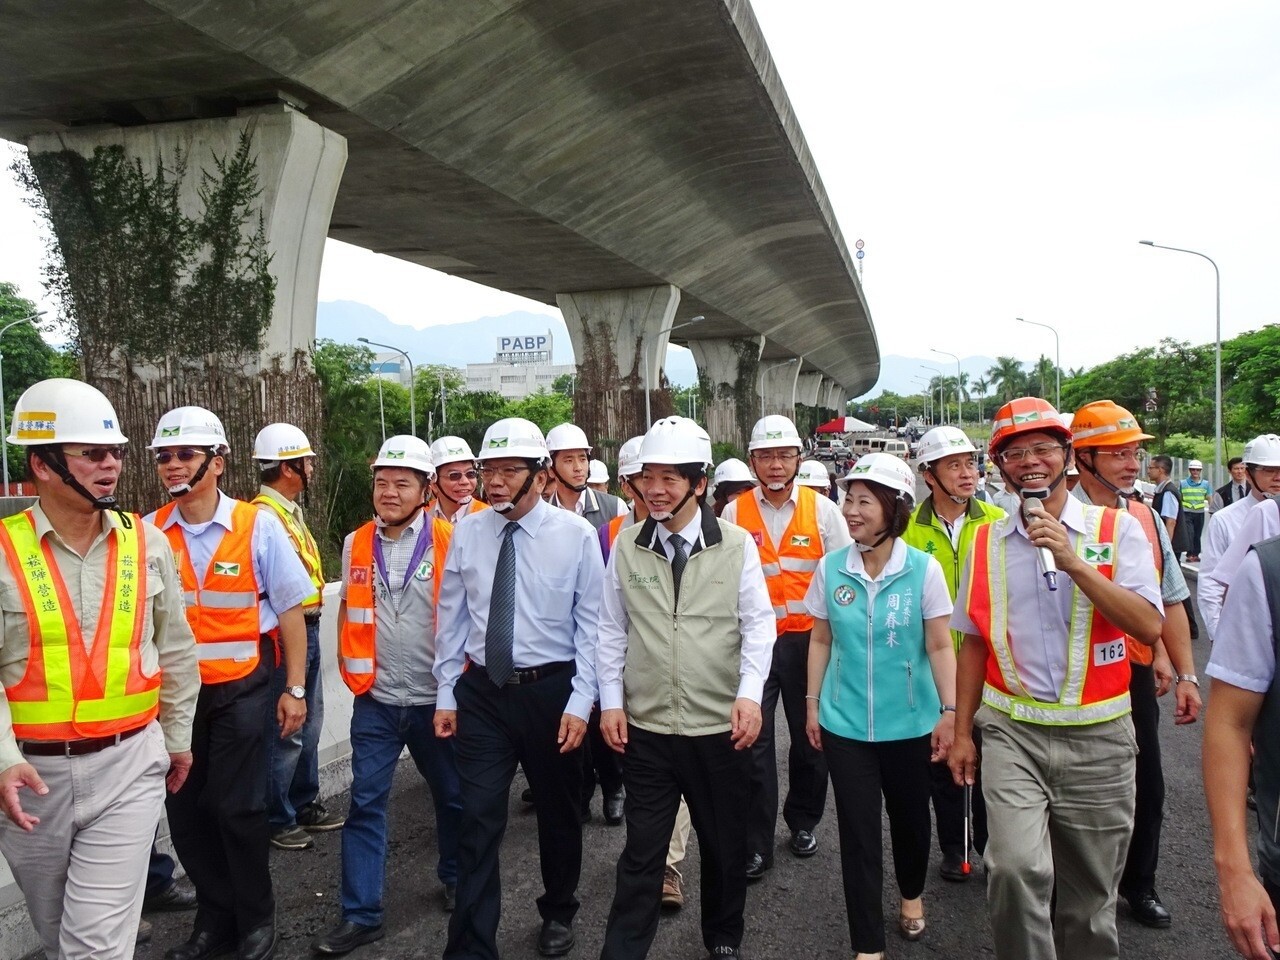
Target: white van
<point>898,448</point>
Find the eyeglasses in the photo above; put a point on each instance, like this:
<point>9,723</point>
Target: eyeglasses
<point>1122,456</point>
<point>508,474</point>
<point>457,475</point>
<point>1040,451</point>
<point>99,454</point>
<point>184,455</point>
<point>764,456</point>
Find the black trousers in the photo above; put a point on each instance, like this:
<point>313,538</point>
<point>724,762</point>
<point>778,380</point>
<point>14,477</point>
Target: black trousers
<point>499,727</point>
<point>1139,876</point>
<point>600,763</point>
<point>806,767</point>
<point>1195,525</point>
<point>218,820</point>
<point>948,806</point>
<point>860,773</point>
<point>713,777</point>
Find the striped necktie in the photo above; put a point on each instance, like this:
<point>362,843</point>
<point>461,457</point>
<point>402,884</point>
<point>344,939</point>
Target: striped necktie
<point>500,634</point>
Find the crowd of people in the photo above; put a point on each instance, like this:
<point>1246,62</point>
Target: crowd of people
<point>999,661</point>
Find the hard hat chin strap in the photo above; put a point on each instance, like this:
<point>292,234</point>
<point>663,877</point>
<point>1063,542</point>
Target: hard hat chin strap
<point>182,489</point>
<point>57,462</point>
<point>560,479</point>
<point>943,487</point>
<point>1130,494</point>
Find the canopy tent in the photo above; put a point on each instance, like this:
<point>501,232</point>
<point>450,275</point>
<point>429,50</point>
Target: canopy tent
<point>847,425</point>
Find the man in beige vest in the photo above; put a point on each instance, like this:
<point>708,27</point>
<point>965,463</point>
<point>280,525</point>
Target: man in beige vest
<point>686,612</point>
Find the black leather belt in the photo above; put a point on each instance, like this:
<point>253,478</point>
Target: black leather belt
<point>74,748</point>
<point>312,617</point>
<point>529,674</point>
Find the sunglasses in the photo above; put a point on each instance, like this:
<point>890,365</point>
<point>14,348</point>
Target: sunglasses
<point>457,475</point>
<point>184,455</point>
<point>99,454</point>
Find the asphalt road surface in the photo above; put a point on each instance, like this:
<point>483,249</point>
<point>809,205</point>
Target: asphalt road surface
<point>796,911</point>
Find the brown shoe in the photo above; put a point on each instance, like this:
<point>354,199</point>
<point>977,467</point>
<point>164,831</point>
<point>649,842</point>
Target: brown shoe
<point>672,889</point>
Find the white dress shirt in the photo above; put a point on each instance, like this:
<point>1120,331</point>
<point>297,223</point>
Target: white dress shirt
<point>755,621</point>
<point>831,525</point>
<point>1260,523</point>
<point>1220,532</point>
<point>559,573</point>
<point>1243,648</point>
<point>1039,618</point>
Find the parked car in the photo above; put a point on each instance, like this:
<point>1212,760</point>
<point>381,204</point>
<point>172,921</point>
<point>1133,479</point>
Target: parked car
<point>831,450</point>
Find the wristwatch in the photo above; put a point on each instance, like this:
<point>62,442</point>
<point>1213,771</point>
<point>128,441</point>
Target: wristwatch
<point>1188,678</point>
<point>298,693</point>
<point>946,708</point>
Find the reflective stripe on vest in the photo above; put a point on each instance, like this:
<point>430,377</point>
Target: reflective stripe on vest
<point>66,691</point>
<point>789,569</point>
<point>304,543</point>
<point>1194,495</point>
<point>1141,653</point>
<point>223,609</point>
<point>1091,692</point>
<point>357,641</point>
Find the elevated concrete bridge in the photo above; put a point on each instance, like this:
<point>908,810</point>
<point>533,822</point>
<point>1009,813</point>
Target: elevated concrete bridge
<point>638,164</point>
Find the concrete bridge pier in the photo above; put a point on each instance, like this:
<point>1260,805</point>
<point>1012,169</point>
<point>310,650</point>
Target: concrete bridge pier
<point>808,388</point>
<point>728,368</point>
<point>615,335</point>
<point>778,380</point>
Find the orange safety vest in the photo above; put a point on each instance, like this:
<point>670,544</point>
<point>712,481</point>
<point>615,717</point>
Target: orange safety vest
<point>1096,688</point>
<point>788,570</point>
<point>68,692</point>
<point>357,643</point>
<point>1141,653</point>
<point>223,608</point>
<point>304,543</point>
<point>615,525</point>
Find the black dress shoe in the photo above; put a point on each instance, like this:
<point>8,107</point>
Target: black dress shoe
<point>345,937</point>
<point>176,895</point>
<point>724,953</point>
<point>1149,911</point>
<point>526,795</point>
<point>952,868</point>
<point>259,944</point>
<point>450,897</point>
<point>757,866</point>
<point>555,939</point>
<point>613,808</point>
<point>202,945</point>
<point>803,843</point>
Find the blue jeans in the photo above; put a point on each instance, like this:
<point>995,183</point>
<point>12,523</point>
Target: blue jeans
<point>379,732</point>
<point>294,764</point>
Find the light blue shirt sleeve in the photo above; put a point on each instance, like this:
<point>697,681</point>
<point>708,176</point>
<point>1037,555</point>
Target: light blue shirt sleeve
<point>453,621</point>
<point>1173,584</point>
<point>281,574</point>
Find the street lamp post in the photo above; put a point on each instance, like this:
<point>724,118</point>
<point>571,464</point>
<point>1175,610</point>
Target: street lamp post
<point>4,433</point>
<point>1217,352</point>
<point>444,411</point>
<point>942,402</point>
<point>413,407</point>
<point>959,405</point>
<point>764,374</point>
<point>648,412</point>
<point>927,391</point>
<point>1057,360</point>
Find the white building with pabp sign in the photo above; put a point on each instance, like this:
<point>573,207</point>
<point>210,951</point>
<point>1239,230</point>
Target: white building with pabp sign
<point>521,365</point>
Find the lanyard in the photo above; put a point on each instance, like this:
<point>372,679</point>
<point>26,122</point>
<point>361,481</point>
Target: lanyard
<point>419,550</point>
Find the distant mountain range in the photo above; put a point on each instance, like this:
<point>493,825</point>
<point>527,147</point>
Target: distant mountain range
<point>458,344</point>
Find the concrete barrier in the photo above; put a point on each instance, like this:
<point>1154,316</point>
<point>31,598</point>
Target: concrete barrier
<point>18,938</point>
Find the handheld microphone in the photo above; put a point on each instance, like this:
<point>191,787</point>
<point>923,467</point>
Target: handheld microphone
<point>1047,565</point>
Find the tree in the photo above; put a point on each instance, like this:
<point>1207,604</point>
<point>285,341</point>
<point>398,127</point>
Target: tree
<point>981,386</point>
<point>27,359</point>
<point>1007,378</point>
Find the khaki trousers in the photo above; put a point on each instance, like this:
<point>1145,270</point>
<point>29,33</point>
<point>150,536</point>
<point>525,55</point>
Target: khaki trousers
<point>1060,813</point>
<point>679,837</point>
<point>83,867</point>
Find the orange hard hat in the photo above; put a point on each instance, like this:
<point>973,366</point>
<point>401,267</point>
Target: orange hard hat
<point>1025,415</point>
<point>1105,424</point>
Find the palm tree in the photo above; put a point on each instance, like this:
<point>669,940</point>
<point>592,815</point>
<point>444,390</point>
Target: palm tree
<point>981,386</point>
<point>1007,377</point>
<point>1045,371</point>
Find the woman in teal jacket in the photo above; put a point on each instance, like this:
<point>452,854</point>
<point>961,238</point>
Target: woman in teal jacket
<point>881,694</point>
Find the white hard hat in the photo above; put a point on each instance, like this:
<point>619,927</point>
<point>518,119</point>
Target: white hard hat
<point>280,441</point>
<point>772,432</point>
<point>1195,465</point>
<point>64,411</point>
<point>451,450</point>
<point>733,470</point>
<point>1263,451</point>
<point>190,427</point>
<point>676,440</point>
<point>885,469</point>
<point>629,458</point>
<point>567,436</point>
<point>514,437</point>
<point>813,474</point>
<point>402,450</point>
<point>943,442</point>
<point>599,472</point>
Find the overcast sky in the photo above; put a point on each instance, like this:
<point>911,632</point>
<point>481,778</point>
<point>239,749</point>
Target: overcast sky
<point>998,160</point>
